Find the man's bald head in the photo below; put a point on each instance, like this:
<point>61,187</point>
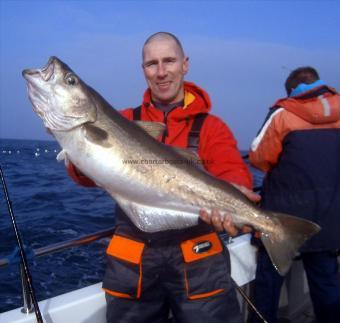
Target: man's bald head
<point>161,36</point>
<point>164,66</point>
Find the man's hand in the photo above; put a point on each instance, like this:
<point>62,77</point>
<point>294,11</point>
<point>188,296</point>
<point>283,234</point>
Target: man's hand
<point>221,223</point>
<point>248,193</point>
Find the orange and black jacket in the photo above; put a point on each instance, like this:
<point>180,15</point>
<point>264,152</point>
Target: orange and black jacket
<point>298,147</point>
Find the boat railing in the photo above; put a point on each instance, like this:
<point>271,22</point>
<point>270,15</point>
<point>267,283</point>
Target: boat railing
<point>50,249</point>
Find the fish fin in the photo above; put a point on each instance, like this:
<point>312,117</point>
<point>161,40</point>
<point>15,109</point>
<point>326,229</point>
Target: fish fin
<point>283,246</point>
<point>157,218</point>
<point>96,135</point>
<point>61,155</point>
<point>154,129</point>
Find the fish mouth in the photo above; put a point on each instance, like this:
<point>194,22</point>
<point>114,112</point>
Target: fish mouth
<point>37,85</point>
<point>45,73</point>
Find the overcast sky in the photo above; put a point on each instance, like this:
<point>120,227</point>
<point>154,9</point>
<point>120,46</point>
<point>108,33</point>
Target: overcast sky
<point>240,51</point>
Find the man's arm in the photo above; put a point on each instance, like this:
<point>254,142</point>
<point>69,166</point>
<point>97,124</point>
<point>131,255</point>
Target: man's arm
<point>267,145</point>
<point>219,152</point>
<point>78,176</point>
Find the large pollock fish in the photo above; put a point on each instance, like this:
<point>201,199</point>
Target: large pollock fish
<point>164,194</point>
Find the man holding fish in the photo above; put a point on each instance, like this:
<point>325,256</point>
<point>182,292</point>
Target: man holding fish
<point>202,292</point>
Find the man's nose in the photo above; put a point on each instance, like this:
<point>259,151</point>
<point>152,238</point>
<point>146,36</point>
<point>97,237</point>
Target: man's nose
<point>161,71</point>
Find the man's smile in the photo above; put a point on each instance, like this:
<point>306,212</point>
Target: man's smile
<point>164,85</point>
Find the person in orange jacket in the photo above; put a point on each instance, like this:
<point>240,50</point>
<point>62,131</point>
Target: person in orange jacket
<point>153,278</point>
<point>298,147</point>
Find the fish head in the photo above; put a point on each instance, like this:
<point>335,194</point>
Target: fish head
<point>59,97</point>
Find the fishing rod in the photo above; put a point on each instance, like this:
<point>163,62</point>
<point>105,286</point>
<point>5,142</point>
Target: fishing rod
<point>248,301</point>
<point>21,250</point>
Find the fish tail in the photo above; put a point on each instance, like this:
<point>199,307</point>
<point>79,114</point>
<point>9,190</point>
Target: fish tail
<point>282,245</point>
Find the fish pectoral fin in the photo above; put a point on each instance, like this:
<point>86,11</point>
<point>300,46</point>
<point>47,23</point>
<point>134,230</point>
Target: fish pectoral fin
<point>96,135</point>
<point>154,129</point>
<point>150,219</point>
<point>62,156</point>
<point>283,246</point>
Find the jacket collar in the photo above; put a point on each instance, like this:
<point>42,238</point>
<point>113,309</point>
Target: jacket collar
<point>317,106</point>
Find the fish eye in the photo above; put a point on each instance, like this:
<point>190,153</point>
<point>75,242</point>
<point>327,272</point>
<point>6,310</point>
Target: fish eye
<point>70,79</point>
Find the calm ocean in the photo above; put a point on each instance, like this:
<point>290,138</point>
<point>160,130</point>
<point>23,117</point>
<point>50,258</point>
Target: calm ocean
<point>50,208</point>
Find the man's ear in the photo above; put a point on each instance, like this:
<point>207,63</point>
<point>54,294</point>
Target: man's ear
<point>185,65</point>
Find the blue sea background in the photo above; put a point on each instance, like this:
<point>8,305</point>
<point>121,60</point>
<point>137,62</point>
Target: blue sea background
<point>49,208</point>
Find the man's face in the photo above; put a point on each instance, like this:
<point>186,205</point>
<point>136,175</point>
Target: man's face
<point>164,68</point>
